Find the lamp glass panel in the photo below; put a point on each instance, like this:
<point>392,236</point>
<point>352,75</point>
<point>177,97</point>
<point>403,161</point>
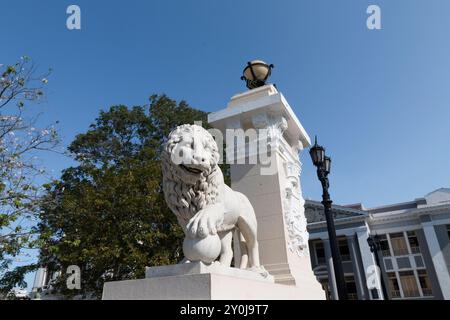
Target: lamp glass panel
<point>327,164</point>
<point>260,71</point>
<point>317,155</point>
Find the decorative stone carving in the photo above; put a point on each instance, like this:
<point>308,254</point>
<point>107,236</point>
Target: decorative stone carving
<point>275,127</point>
<point>314,212</point>
<point>206,208</point>
<point>293,203</point>
<point>260,120</point>
<point>294,212</point>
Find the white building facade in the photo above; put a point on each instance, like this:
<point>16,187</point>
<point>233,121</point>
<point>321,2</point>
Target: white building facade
<point>415,248</point>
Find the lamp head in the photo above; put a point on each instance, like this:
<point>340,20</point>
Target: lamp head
<point>256,73</point>
<point>317,154</point>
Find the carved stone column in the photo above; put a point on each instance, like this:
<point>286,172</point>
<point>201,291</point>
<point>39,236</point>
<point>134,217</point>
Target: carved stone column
<point>360,280</point>
<point>368,263</point>
<point>266,167</point>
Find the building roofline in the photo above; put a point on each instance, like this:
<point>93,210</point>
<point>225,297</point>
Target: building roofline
<point>338,208</point>
<point>439,189</point>
<point>398,206</point>
<point>411,214</point>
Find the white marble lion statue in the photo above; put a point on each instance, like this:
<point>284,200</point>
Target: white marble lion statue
<point>204,205</point>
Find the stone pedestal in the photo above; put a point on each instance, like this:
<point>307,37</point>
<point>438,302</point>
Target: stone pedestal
<point>264,138</point>
<point>265,166</point>
<point>201,268</point>
<point>196,281</point>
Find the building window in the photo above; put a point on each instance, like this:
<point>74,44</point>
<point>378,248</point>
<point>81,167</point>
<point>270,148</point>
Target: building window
<point>394,288</point>
<point>351,288</point>
<point>384,245</point>
<point>413,242</point>
<point>343,249</point>
<point>409,284</point>
<point>398,244</point>
<point>375,294</point>
<point>425,284</point>
<point>405,281</point>
<point>320,252</point>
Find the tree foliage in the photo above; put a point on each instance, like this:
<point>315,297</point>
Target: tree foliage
<point>108,215</point>
<point>20,170</point>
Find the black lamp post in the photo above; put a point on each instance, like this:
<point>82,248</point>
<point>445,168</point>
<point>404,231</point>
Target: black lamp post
<point>323,164</point>
<point>375,247</point>
<point>256,73</point>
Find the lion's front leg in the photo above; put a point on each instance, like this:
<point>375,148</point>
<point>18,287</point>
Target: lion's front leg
<point>205,222</point>
<point>226,252</point>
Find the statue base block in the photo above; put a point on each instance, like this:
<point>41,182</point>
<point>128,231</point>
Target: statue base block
<point>196,281</point>
<point>202,268</point>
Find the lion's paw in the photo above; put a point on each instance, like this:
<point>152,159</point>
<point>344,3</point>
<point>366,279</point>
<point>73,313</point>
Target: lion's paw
<point>201,225</point>
<point>260,270</point>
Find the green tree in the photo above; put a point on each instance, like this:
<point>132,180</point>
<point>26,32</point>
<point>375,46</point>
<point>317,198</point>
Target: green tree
<point>21,142</point>
<point>108,215</point>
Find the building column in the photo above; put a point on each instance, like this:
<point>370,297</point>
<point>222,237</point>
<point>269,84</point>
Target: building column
<point>438,259</point>
<point>330,269</point>
<point>39,279</point>
<point>359,278</point>
<point>372,273</point>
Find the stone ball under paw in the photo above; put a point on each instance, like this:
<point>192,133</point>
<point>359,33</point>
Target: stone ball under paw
<point>202,249</point>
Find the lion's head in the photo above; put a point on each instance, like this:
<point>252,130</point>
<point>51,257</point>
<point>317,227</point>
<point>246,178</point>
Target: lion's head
<point>190,170</point>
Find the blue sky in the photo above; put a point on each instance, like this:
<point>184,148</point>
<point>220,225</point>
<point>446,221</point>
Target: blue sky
<point>378,100</point>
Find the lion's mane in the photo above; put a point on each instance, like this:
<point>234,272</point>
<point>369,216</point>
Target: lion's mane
<point>186,199</point>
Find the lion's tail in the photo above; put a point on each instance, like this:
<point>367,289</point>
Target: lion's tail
<point>240,250</point>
